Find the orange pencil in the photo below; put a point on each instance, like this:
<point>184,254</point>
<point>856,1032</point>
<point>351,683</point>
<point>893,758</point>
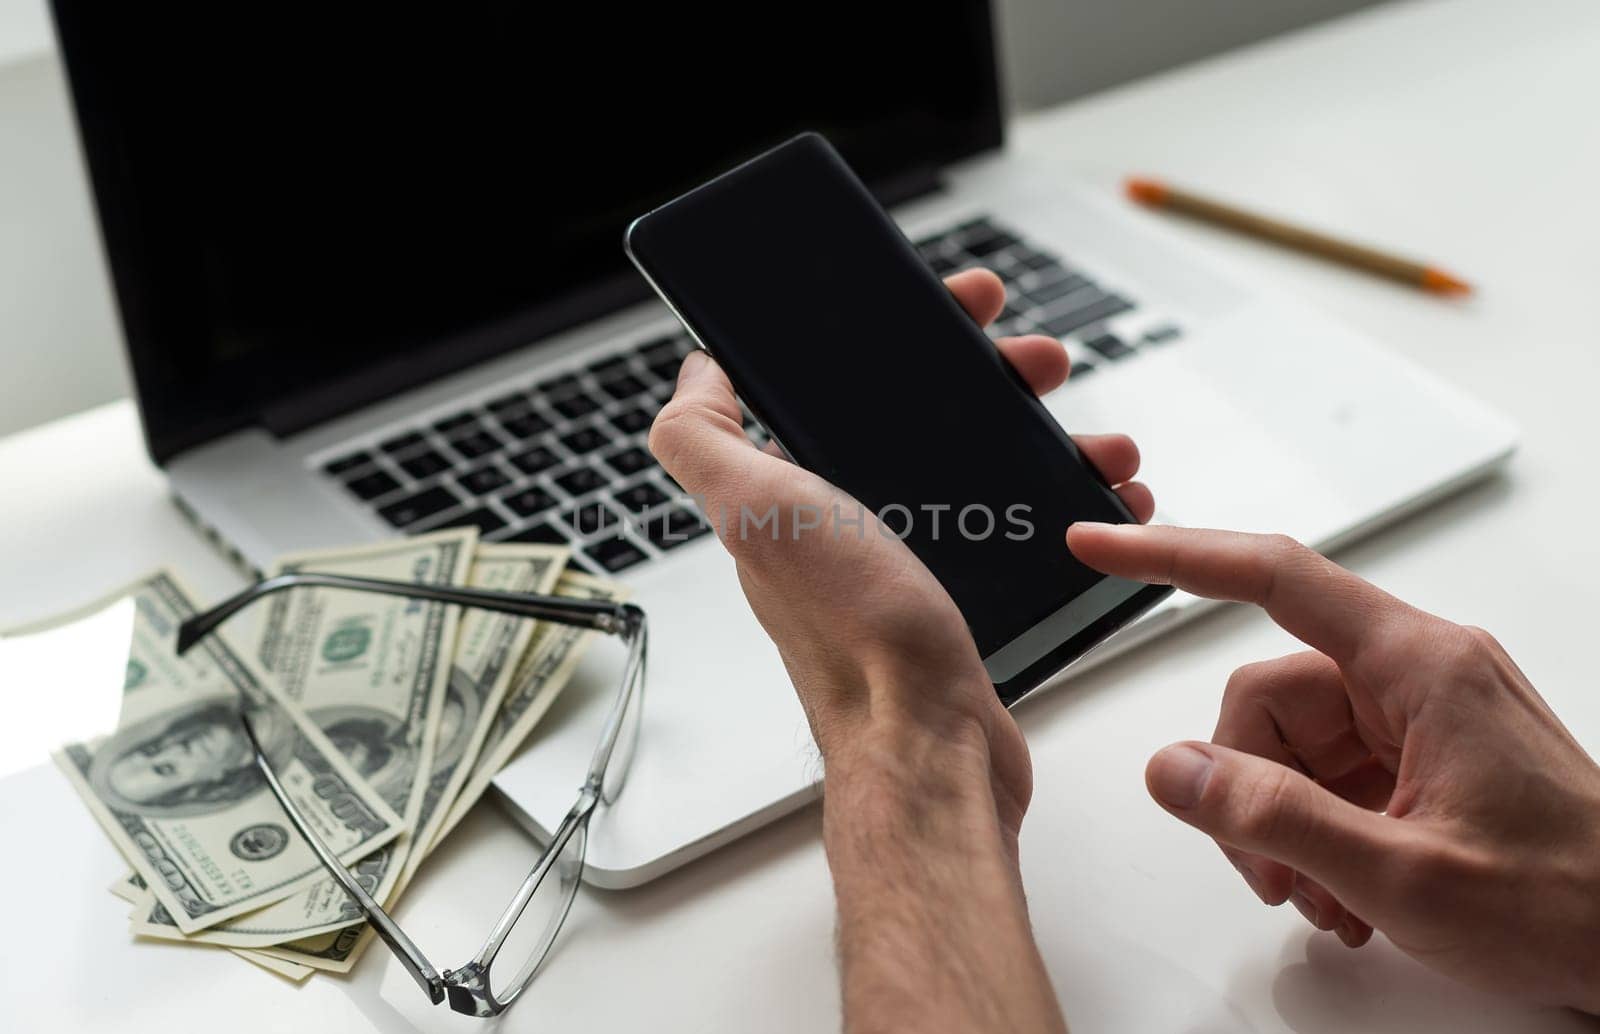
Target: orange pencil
<point>1357,256</point>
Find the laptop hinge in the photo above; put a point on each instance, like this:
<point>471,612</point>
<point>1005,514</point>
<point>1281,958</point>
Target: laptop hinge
<point>338,396</point>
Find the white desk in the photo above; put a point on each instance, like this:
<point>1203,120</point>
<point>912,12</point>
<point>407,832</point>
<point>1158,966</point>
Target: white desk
<point>1464,129</point>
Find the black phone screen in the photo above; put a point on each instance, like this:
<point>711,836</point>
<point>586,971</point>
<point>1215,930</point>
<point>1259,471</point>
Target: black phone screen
<point>860,362</point>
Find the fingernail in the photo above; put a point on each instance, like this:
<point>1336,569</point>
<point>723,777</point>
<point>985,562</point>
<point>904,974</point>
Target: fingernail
<point>1179,775</point>
<point>1306,908</point>
<point>1346,933</point>
<point>1090,525</point>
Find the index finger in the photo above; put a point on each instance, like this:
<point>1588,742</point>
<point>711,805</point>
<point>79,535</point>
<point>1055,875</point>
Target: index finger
<point>698,436</point>
<point>1313,599</point>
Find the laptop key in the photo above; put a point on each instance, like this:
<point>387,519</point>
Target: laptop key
<point>615,554</point>
<point>478,443</point>
<point>373,484</point>
<point>609,366</point>
<point>580,481</point>
<point>1105,308</point>
<point>1161,334</point>
<point>624,387</point>
<point>565,384</point>
<point>1044,294</point>
<point>529,501</point>
<point>630,460</point>
<point>424,464</point>
<point>414,508</point>
<point>985,245</point>
<point>525,425</point>
<point>657,350</point>
<point>575,406</point>
<point>584,440</point>
<point>632,421</point>
<point>400,443</point>
<point>667,369</point>
<point>1034,259</point>
<point>483,518</point>
<point>544,531</point>
<point>345,464</point>
<point>639,498</point>
<point>461,423</point>
<point>535,459</point>
<point>1109,345</point>
<point>509,405</point>
<point>591,518</point>
<point>483,480</point>
<point>672,528</point>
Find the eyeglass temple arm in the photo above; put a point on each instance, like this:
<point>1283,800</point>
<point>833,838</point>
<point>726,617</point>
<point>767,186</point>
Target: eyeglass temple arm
<point>404,948</point>
<point>596,614</point>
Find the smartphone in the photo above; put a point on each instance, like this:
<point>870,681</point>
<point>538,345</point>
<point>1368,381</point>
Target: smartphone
<point>859,362</point>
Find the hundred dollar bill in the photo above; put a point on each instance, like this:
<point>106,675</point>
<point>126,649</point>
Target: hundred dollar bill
<point>177,788</point>
<point>488,647</point>
<point>131,888</point>
<point>371,671</point>
<point>546,667</point>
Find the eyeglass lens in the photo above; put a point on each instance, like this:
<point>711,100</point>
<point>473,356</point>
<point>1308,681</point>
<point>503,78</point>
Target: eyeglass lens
<point>533,933</point>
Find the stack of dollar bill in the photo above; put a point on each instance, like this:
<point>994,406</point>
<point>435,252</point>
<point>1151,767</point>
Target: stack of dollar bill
<point>384,717</point>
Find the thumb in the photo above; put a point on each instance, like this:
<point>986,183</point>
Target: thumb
<point>1262,807</point>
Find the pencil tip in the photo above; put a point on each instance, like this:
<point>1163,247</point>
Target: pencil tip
<point>1146,191</point>
<point>1440,282</point>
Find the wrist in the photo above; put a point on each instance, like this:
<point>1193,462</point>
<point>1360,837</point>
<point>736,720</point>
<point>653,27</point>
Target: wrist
<point>902,828</point>
<point>928,888</point>
<point>912,738</point>
<point>909,785</point>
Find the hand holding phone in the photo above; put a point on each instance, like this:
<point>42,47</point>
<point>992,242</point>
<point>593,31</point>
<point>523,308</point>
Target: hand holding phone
<point>861,625</point>
<point>868,372</point>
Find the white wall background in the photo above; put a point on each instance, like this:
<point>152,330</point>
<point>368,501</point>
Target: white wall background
<point>60,349</point>
<point>59,346</point>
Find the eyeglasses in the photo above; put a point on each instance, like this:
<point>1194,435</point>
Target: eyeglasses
<point>528,927</point>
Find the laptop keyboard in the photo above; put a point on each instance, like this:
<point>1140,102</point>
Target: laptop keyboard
<point>564,459</point>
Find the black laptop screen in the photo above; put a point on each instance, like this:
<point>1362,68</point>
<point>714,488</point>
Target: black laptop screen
<point>309,206</point>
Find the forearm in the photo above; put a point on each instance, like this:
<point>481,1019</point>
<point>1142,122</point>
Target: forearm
<point>933,926</point>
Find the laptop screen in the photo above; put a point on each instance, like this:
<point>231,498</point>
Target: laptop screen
<point>308,206</point>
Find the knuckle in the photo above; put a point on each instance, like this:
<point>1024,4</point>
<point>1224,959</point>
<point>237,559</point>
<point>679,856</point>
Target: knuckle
<point>1478,644</point>
<point>1477,662</point>
<point>1246,682</point>
<point>1273,814</point>
<point>1279,552</point>
<point>1436,873</point>
<point>1401,645</point>
<point>1283,548</point>
<point>666,428</point>
<point>674,427</point>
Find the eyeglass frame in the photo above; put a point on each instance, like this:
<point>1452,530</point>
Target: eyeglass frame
<point>468,988</point>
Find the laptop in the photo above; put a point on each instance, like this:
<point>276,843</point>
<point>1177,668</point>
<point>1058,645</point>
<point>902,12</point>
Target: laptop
<point>371,279</point>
